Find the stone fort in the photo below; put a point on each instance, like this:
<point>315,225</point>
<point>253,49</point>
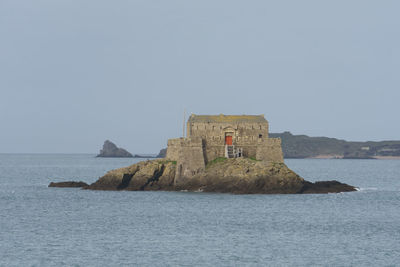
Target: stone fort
<point>212,136</point>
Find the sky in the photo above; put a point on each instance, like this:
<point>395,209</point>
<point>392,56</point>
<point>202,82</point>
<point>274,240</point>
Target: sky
<point>74,73</point>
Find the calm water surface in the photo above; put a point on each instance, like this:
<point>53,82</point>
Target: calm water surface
<point>42,226</point>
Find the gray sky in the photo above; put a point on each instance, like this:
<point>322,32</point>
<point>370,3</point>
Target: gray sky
<point>76,72</point>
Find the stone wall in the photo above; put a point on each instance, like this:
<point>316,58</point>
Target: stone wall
<point>213,152</point>
<point>206,142</point>
<point>242,133</point>
<point>191,159</point>
<point>174,148</point>
<point>270,150</point>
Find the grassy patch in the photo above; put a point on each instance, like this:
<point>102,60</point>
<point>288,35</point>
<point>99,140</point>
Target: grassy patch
<point>254,158</point>
<point>167,161</point>
<point>215,161</point>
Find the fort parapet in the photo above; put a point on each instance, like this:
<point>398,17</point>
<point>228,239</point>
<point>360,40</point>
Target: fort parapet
<point>214,136</point>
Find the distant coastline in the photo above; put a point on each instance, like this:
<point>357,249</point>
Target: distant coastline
<point>298,147</point>
<point>387,157</point>
<point>303,146</point>
<point>306,147</point>
<point>341,157</point>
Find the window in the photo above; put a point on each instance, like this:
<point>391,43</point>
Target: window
<point>260,135</point>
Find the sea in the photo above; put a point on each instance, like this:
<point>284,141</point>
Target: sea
<point>41,226</point>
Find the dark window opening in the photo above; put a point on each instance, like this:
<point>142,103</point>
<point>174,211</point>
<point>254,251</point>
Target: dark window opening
<point>260,136</point>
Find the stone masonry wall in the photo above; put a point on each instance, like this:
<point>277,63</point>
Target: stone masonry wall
<point>206,142</point>
<point>191,159</point>
<point>174,148</point>
<point>270,150</point>
<point>242,133</point>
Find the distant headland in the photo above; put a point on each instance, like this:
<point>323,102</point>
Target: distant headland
<point>303,146</point>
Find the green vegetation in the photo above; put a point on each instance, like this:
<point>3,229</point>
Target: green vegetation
<point>254,158</point>
<point>215,161</point>
<point>303,146</point>
<point>167,161</point>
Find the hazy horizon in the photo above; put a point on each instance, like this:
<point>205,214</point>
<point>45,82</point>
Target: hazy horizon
<point>73,73</point>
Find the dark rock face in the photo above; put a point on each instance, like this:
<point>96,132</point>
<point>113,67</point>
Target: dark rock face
<point>325,187</point>
<point>68,184</point>
<point>143,176</point>
<point>162,154</point>
<point>110,150</point>
<point>237,176</point>
<point>243,176</point>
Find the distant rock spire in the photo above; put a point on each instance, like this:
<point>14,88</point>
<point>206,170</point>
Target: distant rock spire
<point>110,150</point>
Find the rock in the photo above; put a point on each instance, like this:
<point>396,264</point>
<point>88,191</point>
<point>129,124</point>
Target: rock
<point>68,184</point>
<point>244,176</point>
<point>162,153</point>
<point>326,187</point>
<point>145,175</point>
<point>110,150</point>
<point>238,176</point>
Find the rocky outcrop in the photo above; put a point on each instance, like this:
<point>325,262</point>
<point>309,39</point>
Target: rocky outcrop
<point>325,187</point>
<point>243,176</point>
<point>238,176</point>
<point>145,175</point>
<point>68,184</point>
<point>110,150</point>
<point>162,153</point>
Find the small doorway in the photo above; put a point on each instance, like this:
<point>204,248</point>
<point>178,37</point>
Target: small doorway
<point>228,140</point>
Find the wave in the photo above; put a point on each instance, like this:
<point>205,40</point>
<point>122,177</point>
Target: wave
<point>361,189</point>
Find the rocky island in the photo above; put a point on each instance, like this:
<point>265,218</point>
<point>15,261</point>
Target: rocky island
<point>225,154</point>
<point>236,175</point>
<point>110,150</point>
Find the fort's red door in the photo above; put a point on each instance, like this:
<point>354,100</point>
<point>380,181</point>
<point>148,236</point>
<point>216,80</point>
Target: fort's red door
<point>228,140</point>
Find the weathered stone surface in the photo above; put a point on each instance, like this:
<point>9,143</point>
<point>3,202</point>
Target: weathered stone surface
<point>248,135</point>
<point>238,176</point>
<point>245,176</point>
<point>162,153</point>
<point>146,175</point>
<point>116,179</point>
<point>270,150</point>
<point>68,184</point>
<point>325,187</point>
<point>110,150</point>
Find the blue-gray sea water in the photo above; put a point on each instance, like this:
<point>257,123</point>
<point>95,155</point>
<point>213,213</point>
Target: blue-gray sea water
<point>41,226</point>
